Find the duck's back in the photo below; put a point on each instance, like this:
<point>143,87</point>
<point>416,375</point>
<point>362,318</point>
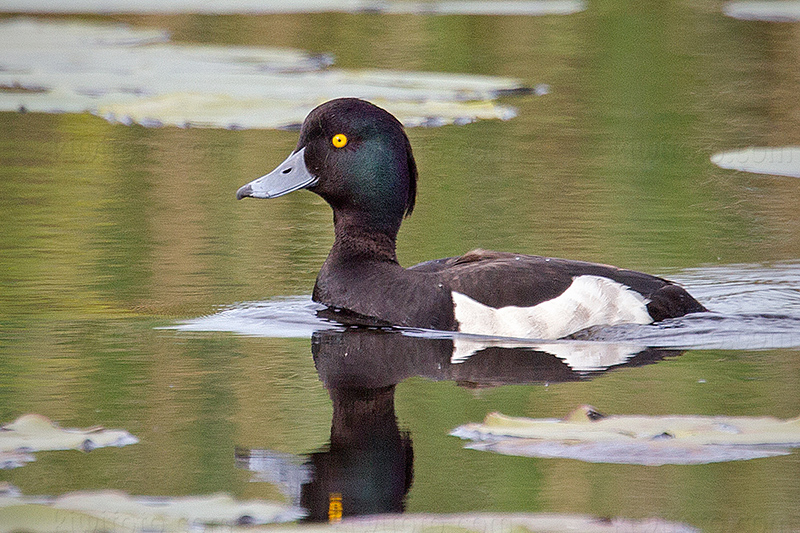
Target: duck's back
<point>541,286</point>
<point>511,291</point>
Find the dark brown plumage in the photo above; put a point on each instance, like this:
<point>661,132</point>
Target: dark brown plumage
<point>370,182</point>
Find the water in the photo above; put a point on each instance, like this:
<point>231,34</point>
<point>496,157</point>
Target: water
<point>115,237</point>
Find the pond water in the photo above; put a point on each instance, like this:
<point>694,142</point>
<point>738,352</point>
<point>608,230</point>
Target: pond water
<point>137,293</point>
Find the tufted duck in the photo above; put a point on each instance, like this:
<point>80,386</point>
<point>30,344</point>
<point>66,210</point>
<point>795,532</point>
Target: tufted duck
<point>357,157</point>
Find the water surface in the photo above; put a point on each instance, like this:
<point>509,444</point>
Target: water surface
<point>112,234</point>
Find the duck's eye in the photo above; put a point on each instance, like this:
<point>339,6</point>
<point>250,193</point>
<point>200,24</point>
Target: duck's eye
<point>339,140</point>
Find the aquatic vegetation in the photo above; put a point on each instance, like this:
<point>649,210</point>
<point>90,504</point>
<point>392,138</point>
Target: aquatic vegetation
<point>113,511</point>
<point>587,435</point>
<point>132,75</point>
<point>770,11</point>
<point>116,511</point>
<point>34,433</point>
<point>452,7</point>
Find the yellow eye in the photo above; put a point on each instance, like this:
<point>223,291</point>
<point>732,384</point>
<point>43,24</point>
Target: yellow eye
<point>339,140</point>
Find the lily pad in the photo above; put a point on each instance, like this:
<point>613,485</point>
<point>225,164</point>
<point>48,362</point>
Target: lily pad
<point>587,435</point>
<point>9,460</point>
<point>497,522</point>
<point>778,161</point>
<point>137,76</point>
<point>770,11</point>
<point>33,433</point>
<point>117,511</point>
<point>113,511</point>
<point>468,7</point>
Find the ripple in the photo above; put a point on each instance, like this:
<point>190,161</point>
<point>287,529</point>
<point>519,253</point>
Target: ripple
<point>754,307</point>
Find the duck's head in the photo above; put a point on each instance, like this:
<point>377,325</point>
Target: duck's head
<point>357,157</point>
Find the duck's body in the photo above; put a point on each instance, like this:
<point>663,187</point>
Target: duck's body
<point>357,157</point>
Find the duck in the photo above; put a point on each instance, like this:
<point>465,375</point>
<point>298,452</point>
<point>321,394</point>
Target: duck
<point>358,158</point>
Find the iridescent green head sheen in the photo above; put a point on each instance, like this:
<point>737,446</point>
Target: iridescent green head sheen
<point>357,157</point>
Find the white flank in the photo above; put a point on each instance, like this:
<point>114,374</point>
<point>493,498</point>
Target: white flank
<point>589,301</point>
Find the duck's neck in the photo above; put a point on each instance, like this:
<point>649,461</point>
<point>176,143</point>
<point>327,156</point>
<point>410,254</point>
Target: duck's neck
<point>354,241</point>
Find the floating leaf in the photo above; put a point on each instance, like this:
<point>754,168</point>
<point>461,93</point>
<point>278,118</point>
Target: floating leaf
<point>117,511</point>
<point>468,7</point>
<point>590,436</point>
<point>40,518</point>
<point>779,161</point>
<point>636,453</point>
<point>34,433</point>
<point>111,511</point>
<point>135,76</point>
<point>498,522</point>
<point>9,460</point>
<point>207,110</point>
<point>770,11</point>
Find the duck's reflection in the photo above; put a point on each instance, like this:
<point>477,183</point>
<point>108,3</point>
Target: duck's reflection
<point>367,467</point>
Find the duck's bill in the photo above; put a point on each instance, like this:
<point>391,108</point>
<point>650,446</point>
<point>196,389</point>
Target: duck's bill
<point>290,175</point>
